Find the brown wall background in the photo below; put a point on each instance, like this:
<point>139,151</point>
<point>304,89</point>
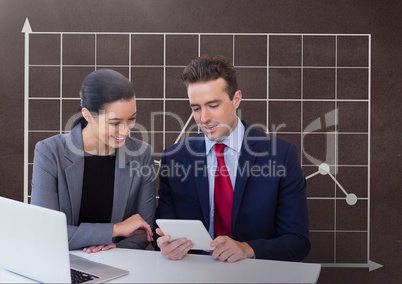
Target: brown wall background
<point>381,19</point>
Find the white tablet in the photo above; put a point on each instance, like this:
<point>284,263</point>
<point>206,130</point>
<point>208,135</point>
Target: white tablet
<point>192,230</point>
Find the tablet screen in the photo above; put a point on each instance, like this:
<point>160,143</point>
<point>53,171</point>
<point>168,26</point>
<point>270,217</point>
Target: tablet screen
<point>192,230</point>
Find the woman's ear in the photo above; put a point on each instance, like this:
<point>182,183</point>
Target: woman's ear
<point>86,114</point>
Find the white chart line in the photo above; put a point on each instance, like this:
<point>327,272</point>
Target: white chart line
<point>337,182</point>
<point>27,30</point>
<point>369,148</point>
<point>196,34</point>
<point>184,129</point>
<point>371,265</point>
<point>324,169</point>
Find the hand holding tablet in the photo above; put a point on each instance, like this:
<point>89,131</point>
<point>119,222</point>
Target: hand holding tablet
<point>192,230</point>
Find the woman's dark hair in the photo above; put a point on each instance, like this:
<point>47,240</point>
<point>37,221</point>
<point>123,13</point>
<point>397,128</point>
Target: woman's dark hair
<point>205,68</point>
<point>101,87</point>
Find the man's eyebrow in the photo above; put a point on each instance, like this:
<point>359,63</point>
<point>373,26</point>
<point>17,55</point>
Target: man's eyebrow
<point>207,103</point>
<point>117,118</point>
<point>213,102</point>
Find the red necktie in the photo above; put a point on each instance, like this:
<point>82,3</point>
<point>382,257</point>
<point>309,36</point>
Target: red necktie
<point>223,196</point>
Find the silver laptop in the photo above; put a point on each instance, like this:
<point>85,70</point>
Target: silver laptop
<point>34,244</point>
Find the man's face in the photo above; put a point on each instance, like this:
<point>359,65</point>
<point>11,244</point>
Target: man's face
<point>212,108</point>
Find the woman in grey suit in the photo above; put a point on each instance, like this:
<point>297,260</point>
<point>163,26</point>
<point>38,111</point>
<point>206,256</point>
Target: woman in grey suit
<point>102,179</point>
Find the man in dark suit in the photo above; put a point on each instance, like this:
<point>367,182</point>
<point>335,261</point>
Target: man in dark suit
<point>263,210</point>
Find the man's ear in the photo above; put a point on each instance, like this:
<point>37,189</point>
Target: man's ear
<point>237,98</point>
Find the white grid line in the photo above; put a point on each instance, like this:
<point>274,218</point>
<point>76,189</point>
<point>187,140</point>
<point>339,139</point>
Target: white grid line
<point>182,66</point>
<point>338,231</point>
<point>247,100</point>
<point>233,48</point>
<point>334,198</point>
<point>129,56</point>
<point>345,166</point>
<point>61,84</point>
<point>219,34</point>
<point>179,131</point>
<point>164,92</point>
<point>369,148</point>
<point>267,103</point>
<point>96,49</point>
<point>336,139</point>
<point>301,100</point>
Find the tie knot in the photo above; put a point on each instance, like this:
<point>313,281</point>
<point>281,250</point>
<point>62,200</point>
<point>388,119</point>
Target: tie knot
<point>219,148</point>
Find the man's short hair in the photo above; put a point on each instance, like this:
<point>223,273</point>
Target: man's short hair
<point>206,68</point>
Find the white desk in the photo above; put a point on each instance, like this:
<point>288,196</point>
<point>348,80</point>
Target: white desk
<point>150,266</point>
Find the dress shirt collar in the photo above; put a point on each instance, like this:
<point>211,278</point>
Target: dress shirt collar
<point>233,141</point>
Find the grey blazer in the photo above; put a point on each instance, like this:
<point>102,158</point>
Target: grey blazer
<point>57,178</point>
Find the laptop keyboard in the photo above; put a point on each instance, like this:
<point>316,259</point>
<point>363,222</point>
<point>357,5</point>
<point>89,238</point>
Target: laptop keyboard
<point>81,277</point>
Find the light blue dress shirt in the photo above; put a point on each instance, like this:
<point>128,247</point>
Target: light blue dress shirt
<point>231,155</point>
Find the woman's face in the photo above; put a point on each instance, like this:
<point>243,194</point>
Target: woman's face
<point>112,126</point>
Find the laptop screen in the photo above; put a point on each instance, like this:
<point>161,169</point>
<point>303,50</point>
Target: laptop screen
<point>34,242</point>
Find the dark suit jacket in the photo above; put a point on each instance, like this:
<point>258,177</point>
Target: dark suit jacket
<point>269,205</point>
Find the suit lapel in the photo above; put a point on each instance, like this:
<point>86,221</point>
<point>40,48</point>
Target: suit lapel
<point>199,161</point>
<point>246,161</point>
<point>123,181</point>
<point>75,172</point>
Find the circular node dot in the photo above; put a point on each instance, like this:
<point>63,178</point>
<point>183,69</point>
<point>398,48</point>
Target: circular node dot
<point>323,169</point>
<point>351,199</point>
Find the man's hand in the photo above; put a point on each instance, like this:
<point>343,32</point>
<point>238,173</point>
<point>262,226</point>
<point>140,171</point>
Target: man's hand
<point>94,249</point>
<point>227,249</point>
<point>174,250</point>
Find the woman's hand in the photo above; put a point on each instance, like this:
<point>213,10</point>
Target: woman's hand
<point>94,249</point>
<point>133,225</point>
